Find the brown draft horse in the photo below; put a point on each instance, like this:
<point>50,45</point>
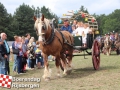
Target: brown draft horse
<point>107,45</point>
<point>53,42</point>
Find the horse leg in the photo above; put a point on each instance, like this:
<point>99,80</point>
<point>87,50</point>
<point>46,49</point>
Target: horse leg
<point>109,50</point>
<point>47,73</point>
<point>57,62</point>
<point>64,63</point>
<point>69,58</point>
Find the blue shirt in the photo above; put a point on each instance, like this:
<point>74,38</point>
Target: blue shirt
<point>7,47</point>
<point>68,28</point>
<point>26,41</point>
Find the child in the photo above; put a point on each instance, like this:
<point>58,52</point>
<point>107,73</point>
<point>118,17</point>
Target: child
<point>38,56</point>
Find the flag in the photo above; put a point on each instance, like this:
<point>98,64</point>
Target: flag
<point>5,81</point>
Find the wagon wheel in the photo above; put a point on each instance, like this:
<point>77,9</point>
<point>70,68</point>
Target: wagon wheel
<point>96,55</point>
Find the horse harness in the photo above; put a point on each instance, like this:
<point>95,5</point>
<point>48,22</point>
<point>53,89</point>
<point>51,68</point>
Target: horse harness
<point>51,38</point>
<point>65,41</point>
<point>48,41</point>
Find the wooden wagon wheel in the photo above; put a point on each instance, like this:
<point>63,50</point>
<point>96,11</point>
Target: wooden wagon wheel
<point>96,55</point>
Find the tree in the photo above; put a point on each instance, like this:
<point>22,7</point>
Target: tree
<point>83,9</point>
<point>101,21</point>
<point>5,21</point>
<point>23,20</point>
<point>47,12</point>
<point>49,15</point>
<point>112,22</point>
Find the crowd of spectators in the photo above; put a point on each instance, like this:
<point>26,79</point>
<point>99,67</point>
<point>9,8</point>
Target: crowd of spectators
<point>28,57</point>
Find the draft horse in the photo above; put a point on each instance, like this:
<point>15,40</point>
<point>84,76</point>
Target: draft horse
<point>54,42</point>
<point>107,45</point>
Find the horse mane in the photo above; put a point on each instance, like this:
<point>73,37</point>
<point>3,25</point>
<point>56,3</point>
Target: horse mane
<point>46,21</point>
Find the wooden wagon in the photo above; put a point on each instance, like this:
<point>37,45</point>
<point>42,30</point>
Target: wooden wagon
<point>92,42</point>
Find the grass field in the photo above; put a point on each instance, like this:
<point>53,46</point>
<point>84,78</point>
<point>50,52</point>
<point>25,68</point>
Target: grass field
<point>83,76</point>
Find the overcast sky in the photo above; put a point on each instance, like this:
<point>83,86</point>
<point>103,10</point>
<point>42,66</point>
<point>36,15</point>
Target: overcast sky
<point>60,7</point>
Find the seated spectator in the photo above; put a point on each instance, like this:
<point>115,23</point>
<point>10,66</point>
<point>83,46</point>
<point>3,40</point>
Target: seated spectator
<point>86,31</point>
<point>74,30</point>
<point>79,30</point>
<point>66,26</point>
<point>75,24</point>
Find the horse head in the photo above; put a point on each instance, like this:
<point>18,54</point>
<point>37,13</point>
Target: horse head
<point>41,26</point>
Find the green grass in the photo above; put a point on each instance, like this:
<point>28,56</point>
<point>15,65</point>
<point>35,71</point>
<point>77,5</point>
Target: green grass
<point>83,76</point>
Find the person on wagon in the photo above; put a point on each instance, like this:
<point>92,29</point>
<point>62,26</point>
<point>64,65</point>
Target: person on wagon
<point>66,26</point>
<point>79,30</point>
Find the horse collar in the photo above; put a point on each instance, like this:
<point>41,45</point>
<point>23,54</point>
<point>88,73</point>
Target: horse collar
<point>48,41</point>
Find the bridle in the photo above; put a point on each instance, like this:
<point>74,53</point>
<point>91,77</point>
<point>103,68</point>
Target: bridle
<point>45,29</point>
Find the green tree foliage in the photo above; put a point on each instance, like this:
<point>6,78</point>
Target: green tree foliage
<point>112,22</point>
<point>5,21</point>
<point>83,9</point>
<point>49,14</point>
<point>23,20</point>
<point>101,21</point>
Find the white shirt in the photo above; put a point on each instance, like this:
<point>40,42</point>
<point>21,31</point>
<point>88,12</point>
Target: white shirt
<point>86,31</point>
<point>79,30</point>
<point>74,32</point>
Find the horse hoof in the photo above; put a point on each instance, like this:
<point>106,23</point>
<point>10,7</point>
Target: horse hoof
<point>58,75</point>
<point>69,72</point>
<point>65,73</point>
<point>47,79</point>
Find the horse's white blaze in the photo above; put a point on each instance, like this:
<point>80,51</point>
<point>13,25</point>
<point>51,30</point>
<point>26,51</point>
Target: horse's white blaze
<point>39,31</point>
